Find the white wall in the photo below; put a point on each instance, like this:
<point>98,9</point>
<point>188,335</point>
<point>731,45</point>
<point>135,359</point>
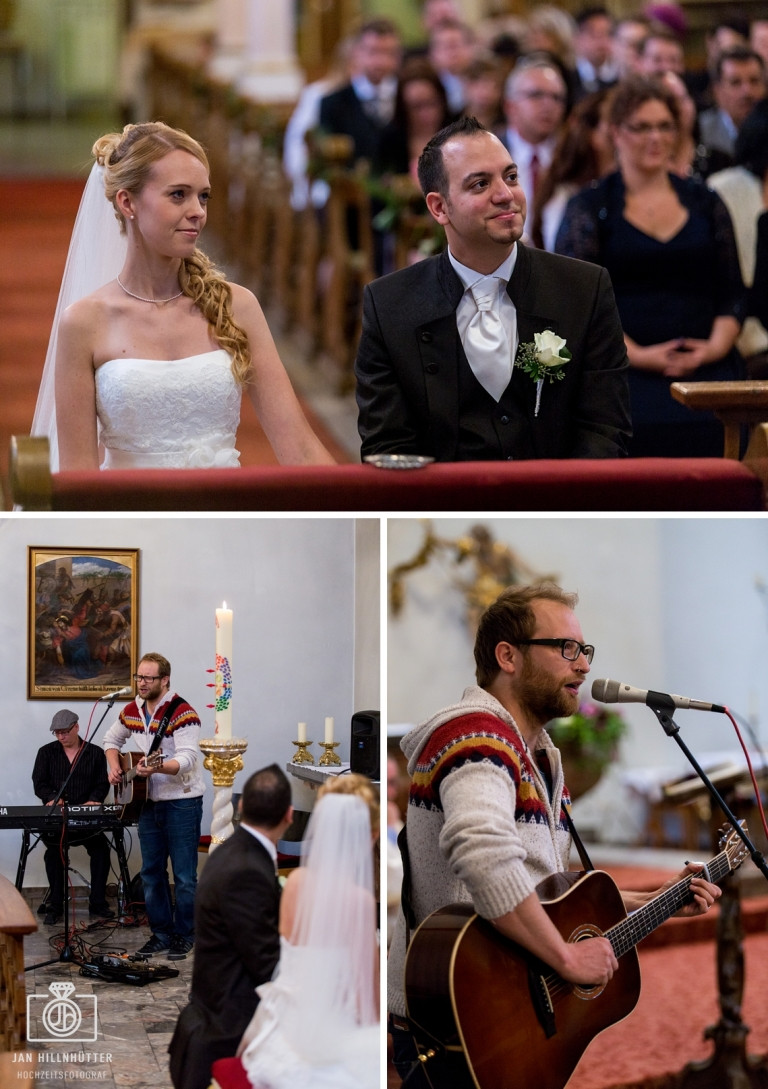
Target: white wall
<point>300,590</point>
<point>670,604</point>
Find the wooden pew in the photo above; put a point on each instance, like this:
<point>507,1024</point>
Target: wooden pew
<point>736,404</point>
<point>634,484</point>
<point>16,920</point>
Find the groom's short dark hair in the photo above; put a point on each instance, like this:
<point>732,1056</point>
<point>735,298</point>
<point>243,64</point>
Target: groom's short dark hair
<point>266,797</point>
<point>431,169</point>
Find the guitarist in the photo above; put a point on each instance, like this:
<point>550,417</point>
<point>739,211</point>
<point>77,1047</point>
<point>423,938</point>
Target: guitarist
<point>160,721</point>
<point>486,817</point>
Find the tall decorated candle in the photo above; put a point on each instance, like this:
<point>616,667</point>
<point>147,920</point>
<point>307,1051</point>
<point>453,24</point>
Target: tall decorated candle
<point>223,672</point>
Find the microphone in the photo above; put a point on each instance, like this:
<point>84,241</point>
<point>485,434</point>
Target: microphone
<point>114,695</point>
<point>616,692</point>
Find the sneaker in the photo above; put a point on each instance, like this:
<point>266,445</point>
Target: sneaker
<point>179,947</point>
<point>156,944</point>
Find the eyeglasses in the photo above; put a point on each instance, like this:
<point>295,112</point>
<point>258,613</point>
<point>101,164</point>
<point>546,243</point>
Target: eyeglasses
<point>67,730</point>
<point>143,677</point>
<point>569,648</point>
<point>645,128</point>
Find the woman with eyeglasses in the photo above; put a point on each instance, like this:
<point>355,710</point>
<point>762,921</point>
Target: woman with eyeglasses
<point>669,247</point>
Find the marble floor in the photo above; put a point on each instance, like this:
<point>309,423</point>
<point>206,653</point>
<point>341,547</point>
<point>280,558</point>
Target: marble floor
<point>132,1025</point>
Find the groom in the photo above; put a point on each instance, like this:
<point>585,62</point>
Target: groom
<point>435,372</point>
<point>237,939</point>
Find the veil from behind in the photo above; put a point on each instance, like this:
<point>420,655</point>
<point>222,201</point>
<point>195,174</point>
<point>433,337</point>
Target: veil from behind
<point>96,255</point>
<point>335,917</point>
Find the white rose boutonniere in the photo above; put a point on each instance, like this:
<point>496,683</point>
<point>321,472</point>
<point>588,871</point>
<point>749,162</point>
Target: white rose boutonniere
<point>544,358</point>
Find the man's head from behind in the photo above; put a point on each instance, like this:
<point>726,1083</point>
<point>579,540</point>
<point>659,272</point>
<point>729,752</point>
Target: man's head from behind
<point>266,799</point>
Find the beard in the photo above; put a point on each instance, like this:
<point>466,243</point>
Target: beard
<point>543,697</point>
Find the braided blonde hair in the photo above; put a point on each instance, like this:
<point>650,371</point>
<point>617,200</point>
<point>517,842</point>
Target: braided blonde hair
<point>127,159</point>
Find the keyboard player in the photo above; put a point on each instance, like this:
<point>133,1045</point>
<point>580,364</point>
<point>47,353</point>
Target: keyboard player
<point>82,767</point>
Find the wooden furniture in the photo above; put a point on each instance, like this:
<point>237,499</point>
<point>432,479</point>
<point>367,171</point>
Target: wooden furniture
<point>16,920</point>
<point>636,484</point>
<point>735,404</point>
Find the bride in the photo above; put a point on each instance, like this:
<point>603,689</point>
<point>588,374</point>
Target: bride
<point>151,347</point>
<point>317,1023</point>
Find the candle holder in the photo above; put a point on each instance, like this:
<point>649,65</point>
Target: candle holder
<point>329,757</point>
<point>223,758</point>
<point>302,756</point>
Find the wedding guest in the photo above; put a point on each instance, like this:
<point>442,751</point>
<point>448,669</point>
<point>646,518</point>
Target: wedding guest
<point>452,47</point>
<point>744,189</point>
<point>595,66</point>
<point>738,84</point>
<point>421,110</point>
<point>668,245</point>
<point>583,153</point>
<point>151,348</point>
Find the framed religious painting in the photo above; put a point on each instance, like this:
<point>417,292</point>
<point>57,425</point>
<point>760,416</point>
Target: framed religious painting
<point>83,626</point>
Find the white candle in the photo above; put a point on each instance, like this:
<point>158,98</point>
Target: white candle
<point>328,731</point>
<point>302,733</point>
<point>223,671</point>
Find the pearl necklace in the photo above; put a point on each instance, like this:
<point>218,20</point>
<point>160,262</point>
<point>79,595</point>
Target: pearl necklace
<point>141,298</point>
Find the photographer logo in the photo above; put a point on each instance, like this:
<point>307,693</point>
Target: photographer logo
<point>66,1017</point>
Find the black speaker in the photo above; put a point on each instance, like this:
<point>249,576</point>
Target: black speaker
<point>364,754</point>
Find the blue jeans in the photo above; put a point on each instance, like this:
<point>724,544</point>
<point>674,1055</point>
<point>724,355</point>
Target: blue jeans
<point>170,830</point>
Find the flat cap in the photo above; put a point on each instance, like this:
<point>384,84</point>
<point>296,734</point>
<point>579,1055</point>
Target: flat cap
<point>62,720</point>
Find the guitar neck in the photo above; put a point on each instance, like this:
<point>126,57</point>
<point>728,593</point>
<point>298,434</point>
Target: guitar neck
<point>626,934</point>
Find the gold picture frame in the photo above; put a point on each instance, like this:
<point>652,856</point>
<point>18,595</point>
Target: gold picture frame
<point>83,621</point>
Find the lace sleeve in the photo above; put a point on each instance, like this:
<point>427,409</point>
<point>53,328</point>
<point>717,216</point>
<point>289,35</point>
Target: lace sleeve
<point>732,295</point>
<point>579,234</point>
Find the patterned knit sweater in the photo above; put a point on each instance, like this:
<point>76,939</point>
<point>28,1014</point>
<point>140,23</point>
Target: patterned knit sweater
<point>180,742</point>
<point>481,825</point>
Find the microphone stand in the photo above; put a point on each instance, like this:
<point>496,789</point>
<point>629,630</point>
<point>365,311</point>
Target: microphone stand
<point>67,954</point>
<point>729,1067</point>
<point>671,729</point>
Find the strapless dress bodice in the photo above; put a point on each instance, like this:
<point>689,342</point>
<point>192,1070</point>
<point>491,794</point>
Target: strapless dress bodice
<point>168,413</point>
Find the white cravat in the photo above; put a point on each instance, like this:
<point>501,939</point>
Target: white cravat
<point>486,343</point>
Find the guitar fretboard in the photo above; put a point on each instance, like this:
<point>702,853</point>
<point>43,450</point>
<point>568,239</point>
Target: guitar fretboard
<point>626,934</point>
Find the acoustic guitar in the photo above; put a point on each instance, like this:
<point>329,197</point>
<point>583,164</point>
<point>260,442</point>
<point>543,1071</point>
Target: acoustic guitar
<point>131,791</point>
<point>498,1017</point>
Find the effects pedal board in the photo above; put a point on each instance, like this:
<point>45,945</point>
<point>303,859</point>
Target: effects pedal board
<point>113,969</point>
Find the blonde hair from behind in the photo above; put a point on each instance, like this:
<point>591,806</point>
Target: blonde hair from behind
<point>127,159</point>
<point>353,783</point>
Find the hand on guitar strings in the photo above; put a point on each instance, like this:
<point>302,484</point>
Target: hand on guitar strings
<point>703,892</point>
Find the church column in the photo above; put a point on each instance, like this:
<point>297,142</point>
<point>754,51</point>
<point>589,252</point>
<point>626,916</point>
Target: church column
<point>271,71</point>
<point>231,18</point>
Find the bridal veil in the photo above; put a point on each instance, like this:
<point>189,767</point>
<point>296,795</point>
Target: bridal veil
<point>96,255</point>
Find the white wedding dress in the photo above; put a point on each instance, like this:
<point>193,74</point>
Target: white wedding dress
<point>295,1044</point>
<point>168,414</point>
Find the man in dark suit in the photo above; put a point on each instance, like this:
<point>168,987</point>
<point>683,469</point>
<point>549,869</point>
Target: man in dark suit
<point>237,940</point>
<point>361,108</point>
<point>417,387</point>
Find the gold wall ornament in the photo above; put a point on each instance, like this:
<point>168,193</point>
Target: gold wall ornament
<point>223,758</point>
<point>492,566</point>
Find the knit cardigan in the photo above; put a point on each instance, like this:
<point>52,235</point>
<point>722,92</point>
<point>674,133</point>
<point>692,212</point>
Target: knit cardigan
<point>481,825</point>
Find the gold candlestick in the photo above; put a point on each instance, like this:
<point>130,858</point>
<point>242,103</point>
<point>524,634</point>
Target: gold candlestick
<point>223,758</point>
<point>302,756</point>
<point>329,757</point>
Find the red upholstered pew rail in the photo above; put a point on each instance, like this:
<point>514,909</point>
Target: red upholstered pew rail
<point>652,484</point>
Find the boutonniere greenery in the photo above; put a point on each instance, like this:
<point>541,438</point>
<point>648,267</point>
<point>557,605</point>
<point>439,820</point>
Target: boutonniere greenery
<point>544,358</point>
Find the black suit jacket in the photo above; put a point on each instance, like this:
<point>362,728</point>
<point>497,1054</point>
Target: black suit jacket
<point>410,355</point>
<point>343,112</point>
<point>237,947</point>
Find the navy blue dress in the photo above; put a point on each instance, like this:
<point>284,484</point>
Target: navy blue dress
<point>664,290</point>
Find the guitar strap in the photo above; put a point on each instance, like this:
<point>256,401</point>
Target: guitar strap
<point>583,855</point>
<point>171,709</point>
